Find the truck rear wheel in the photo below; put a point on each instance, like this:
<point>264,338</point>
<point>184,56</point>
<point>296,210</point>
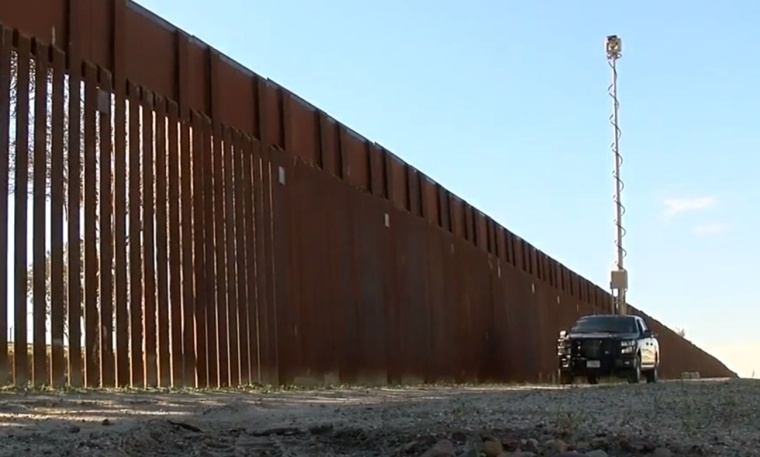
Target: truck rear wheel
<point>652,375</point>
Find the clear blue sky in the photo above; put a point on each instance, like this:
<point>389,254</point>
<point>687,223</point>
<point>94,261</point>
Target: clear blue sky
<point>505,103</point>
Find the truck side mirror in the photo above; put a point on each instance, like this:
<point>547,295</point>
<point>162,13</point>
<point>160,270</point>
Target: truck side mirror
<point>647,334</point>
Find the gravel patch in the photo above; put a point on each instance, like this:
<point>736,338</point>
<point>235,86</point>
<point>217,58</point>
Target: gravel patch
<point>682,418</point>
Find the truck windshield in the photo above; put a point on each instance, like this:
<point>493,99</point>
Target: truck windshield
<point>605,324</point>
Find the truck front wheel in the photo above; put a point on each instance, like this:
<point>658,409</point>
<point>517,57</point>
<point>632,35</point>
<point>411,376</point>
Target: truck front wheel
<point>635,376</point>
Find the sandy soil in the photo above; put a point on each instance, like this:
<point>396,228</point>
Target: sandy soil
<point>682,418</point>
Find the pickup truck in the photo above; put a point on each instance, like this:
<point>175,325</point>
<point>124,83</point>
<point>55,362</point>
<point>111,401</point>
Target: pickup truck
<point>604,345</point>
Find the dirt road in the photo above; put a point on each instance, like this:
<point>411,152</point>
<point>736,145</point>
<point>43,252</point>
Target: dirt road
<point>674,418</point>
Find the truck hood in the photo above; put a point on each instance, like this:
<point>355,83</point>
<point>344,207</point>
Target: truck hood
<point>602,335</point>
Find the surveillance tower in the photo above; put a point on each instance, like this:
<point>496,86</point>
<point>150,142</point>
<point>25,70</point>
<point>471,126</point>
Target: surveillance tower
<point>619,275</point>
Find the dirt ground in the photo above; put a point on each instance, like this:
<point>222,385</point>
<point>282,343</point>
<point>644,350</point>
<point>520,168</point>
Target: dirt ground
<point>683,418</point>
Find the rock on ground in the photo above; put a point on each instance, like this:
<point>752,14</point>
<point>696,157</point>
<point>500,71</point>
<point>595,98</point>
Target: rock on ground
<point>682,418</point>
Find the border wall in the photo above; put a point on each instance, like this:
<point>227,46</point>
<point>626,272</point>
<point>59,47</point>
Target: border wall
<point>216,229</point>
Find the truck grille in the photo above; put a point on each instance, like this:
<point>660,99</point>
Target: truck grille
<point>592,348</point>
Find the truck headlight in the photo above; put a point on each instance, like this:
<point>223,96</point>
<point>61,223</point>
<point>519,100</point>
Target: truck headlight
<point>626,347</point>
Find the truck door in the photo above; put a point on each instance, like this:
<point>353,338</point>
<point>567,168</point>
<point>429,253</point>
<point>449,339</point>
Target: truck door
<point>647,345</point>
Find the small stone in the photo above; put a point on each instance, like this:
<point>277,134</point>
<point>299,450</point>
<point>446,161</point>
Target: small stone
<point>106,422</point>
<point>470,452</point>
<point>530,445</point>
<point>459,437</point>
<point>596,453</point>
<point>555,446</point>
<point>566,454</point>
<point>581,447</point>
<point>321,429</point>
<point>443,448</point>
<point>511,445</point>
<point>600,443</point>
<point>74,429</point>
<point>409,447</point>
<point>626,445</point>
<point>662,452</point>
<point>647,447</point>
<point>697,449</point>
<point>493,448</point>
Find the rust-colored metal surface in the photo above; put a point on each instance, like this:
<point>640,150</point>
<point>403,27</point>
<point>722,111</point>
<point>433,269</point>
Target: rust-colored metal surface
<point>20,220</point>
<point>121,284</point>
<point>253,344</point>
<point>57,194</point>
<point>6,46</point>
<point>39,172</point>
<point>135,253</point>
<point>209,228</point>
<point>199,154</point>
<point>176,348</point>
<point>105,215</point>
<point>220,253</point>
<point>243,342</point>
<point>148,240</point>
<point>162,248</point>
<point>90,236</point>
<point>233,279</point>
